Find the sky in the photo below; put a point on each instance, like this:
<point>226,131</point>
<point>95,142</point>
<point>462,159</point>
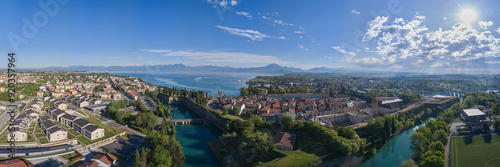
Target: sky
<point>389,35</point>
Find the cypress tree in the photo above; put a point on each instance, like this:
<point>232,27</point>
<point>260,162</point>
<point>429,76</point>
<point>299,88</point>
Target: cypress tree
<point>137,160</point>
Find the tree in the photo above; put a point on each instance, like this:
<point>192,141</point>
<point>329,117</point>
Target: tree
<point>137,160</point>
<point>161,157</point>
<point>417,141</point>
<point>236,110</point>
<point>469,101</point>
<point>433,161</point>
<point>393,128</point>
<point>346,132</point>
<point>496,124</point>
<point>286,120</point>
<point>441,136</point>
<point>486,127</point>
<point>144,156</point>
<point>408,163</point>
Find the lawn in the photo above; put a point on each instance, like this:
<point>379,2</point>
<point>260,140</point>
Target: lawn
<point>43,140</point>
<point>69,156</point>
<point>307,152</point>
<point>475,151</point>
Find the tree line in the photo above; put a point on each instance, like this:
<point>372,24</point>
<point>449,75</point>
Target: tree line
<point>164,150</point>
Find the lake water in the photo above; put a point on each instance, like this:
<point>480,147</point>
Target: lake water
<point>194,139</point>
<point>225,82</point>
<point>395,151</point>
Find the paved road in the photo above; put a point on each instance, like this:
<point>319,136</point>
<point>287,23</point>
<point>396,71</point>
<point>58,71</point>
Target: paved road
<point>30,150</point>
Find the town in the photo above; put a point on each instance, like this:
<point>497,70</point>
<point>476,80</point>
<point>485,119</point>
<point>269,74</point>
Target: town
<point>85,119</point>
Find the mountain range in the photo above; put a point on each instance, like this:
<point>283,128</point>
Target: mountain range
<point>268,69</point>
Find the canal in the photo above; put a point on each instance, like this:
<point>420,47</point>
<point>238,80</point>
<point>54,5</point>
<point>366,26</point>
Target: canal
<point>395,151</point>
<point>194,138</point>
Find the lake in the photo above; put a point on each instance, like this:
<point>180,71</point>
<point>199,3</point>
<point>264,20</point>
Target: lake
<point>228,83</point>
<point>194,139</point>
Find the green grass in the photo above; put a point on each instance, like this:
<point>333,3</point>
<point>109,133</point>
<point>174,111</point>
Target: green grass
<point>43,140</point>
<point>85,140</point>
<point>70,136</point>
<point>230,117</point>
<point>307,152</point>
<point>69,156</point>
<point>3,138</point>
<point>475,151</point>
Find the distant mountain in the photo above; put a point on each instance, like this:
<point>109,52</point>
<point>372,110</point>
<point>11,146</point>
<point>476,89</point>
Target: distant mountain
<point>269,69</point>
<point>333,70</point>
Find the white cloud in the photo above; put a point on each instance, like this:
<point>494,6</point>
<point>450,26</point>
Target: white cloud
<point>227,57</point>
<point>222,3</point>
<point>267,18</point>
<point>300,46</point>
<point>375,27</point>
<point>444,18</point>
<point>492,62</point>
<point>298,32</point>
<point>281,22</point>
<point>485,24</point>
<point>354,12</point>
<point>341,50</point>
<point>155,50</point>
<point>252,34</point>
<point>498,30</point>
<point>411,42</point>
<point>115,57</point>
<point>246,14</point>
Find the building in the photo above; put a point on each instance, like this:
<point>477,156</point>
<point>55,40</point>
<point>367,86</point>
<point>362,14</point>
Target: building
<point>17,135</point>
<point>132,95</point>
<point>57,114</point>
<point>56,133</point>
<point>93,132</point>
<point>79,124</point>
<point>39,94</point>
<point>473,115</point>
<point>101,160</point>
<point>95,109</point>
<point>67,119</point>
<point>14,163</point>
<point>284,141</point>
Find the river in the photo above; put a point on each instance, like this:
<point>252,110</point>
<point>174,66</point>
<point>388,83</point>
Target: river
<point>395,151</point>
<point>194,139</point>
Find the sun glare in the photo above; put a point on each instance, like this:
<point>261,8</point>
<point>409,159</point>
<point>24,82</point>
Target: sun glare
<point>467,16</point>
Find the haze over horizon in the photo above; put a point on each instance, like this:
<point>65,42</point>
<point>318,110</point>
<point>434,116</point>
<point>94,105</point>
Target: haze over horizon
<point>406,36</point>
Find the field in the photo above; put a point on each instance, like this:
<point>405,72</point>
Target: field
<point>476,151</point>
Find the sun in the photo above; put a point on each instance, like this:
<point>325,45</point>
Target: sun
<point>467,16</point>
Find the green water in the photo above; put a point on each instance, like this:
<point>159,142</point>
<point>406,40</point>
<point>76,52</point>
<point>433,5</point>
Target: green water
<point>395,151</point>
<point>194,139</point>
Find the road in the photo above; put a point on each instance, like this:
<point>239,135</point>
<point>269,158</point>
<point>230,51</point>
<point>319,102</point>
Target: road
<point>147,101</point>
<point>31,150</point>
<point>5,117</point>
<point>127,147</point>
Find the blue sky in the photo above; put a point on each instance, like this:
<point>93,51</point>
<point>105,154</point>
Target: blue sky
<point>417,36</point>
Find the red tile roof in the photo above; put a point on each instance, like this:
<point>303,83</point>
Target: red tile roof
<point>13,163</point>
<point>284,139</point>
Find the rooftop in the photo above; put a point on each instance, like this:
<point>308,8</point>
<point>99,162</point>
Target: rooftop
<point>473,112</point>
